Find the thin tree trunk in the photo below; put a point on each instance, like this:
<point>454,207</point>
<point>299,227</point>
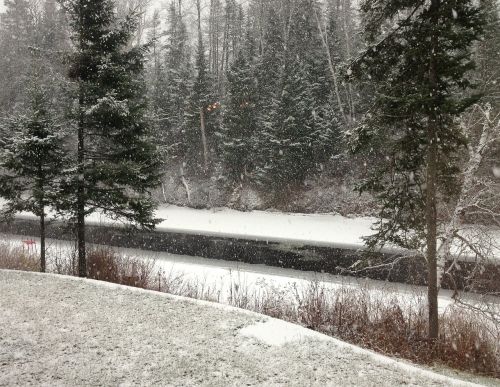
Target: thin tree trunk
<point>43,261</point>
<point>224,49</point>
<point>346,8</point>
<point>431,220</point>
<point>331,66</point>
<point>210,31</point>
<point>204,140</point>
<point>467,194</point>
<point>431,192</point>
<point>216,41</point>
<point>80,200</point>
<point>41,200</point>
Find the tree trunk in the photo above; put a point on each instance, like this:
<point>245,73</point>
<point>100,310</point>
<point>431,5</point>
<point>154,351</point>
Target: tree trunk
<point>80,193</point>
<point>468,192</point>
<point>431,220</point>
<point>346,10</point>
<point>41,207</point>
<point>42,241</point>
<point>204,140</point>
<point>331,66</point>
<point>431,192</point>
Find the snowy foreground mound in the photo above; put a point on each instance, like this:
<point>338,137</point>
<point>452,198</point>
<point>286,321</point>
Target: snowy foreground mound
<point>57,330</point>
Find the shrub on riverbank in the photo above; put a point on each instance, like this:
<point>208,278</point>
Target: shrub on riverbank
<point>18,258</point>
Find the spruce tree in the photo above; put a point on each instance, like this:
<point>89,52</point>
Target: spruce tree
<point>418,57</point>
<point>201,115</point>
<point>18,28</point>
<point>268,73</point>
<point>178,72</point>
<point>239,123</point>
<point>116,160</point>
<point>303,128</point>
<point>31,163</point>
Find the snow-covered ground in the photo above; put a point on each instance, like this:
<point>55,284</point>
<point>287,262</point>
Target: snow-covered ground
<point>224,281</point>
<point>57,330</point>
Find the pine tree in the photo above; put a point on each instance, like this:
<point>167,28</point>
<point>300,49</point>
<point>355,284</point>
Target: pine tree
<point>268,73</point>
<point>487,53</point>
<point>18,28</point>
<point>239,123</point>
<point>178,72</point>
<point>201,114</point>
<point>31,163</point>
<point>419,69</point>
<point>270,63</point>
<point>116,160</point>
<point>303,127</point>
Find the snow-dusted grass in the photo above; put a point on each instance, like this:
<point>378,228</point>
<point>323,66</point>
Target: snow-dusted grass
<point>57,330</point>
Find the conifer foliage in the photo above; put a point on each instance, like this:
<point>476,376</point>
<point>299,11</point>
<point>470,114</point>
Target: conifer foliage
<point>239,124</point>
<point>116,161</point>
<point>303,126</point>
<point>31,161</point>
<point>419,72</point>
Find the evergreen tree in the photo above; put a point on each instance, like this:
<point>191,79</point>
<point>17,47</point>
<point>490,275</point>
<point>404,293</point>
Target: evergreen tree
<point>239,123</point>
<point>31,163</point>
<point>419,69</point>
<point>303,127</point>
<point>270,63</point>
<point>487,54</point>
<point>178,72</point>
<point>201,115</point>
<point>116,161</point>
<point>18,28</point>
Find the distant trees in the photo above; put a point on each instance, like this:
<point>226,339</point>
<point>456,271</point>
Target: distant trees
<point>29,32</point>
<point>419,68</point>
<point>274,59</point>
<point>240,121</point>
<point>201,111</point>
<point>301,125</point>
<point>17,33</point>
<point>116,162</point>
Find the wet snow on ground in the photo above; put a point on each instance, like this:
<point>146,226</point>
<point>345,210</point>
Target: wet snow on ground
<point>57,330</point>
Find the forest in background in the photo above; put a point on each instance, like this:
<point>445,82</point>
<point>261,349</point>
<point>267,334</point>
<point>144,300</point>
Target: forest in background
<point>251,104</point>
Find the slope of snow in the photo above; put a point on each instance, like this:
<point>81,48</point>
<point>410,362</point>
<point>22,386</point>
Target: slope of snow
<point>57,330</point>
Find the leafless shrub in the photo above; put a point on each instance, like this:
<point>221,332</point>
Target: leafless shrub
<point>106,265</point>
<point>18,258</point>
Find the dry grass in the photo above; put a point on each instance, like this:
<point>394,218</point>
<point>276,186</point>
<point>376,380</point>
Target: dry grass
<point>104,264</point>
<point>468,341</point>
<point>18,258</point>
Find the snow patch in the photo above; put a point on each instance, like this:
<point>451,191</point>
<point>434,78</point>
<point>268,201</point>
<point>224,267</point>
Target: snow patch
<point>276,333</point>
